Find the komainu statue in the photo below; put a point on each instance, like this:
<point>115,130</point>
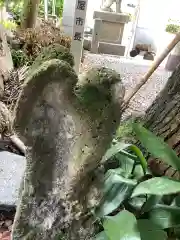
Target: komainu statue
<point>106,5</point>
<point>67,124</point>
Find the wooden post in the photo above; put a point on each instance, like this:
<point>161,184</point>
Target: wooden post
<point>78,31</point>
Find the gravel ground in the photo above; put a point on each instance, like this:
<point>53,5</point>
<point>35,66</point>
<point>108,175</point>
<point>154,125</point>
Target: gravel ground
<point>131,72</point>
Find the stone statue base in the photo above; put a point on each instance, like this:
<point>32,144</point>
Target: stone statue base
<point>108,32</point>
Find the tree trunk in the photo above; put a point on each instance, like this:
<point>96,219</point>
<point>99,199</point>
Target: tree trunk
<point>30,13</point>
<point>163,118</point>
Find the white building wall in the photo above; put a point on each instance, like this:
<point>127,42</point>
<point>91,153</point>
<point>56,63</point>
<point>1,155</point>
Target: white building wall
<point>93,5</point>
<point>152,22</point>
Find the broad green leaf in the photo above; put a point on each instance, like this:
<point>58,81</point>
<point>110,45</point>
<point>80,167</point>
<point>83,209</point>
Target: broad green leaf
<point>117,171</point>
<point>140,156</point>
<point>148,230</point>
<point>156,146</point>
<point>129,155</point>
<point>137,203</point>
<point>113,178</point>
<point>165,216</point>
<point>111,152</point>
<point>116,190</point>
<point>150,203</point>
<point>157,186</point>
<point>138,172</point>
<point>121,148</point>
<point>126,164</point>
<point>123,226</point>
<point>177,232</point>
<point>176,201</point>
<point>101,236</point>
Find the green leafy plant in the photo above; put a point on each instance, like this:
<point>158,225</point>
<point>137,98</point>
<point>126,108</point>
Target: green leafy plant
<point>33,41</point>
<point>172,28</point>
<point>8,24</point>
<point>58,7</point>
<point>19,58</point>
<point>134,203</point>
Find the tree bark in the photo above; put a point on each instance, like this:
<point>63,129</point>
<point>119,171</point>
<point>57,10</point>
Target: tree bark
<point>163,118</point>
<point>30,12</point>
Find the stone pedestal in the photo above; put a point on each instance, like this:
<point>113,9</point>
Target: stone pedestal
<point>108,32</point>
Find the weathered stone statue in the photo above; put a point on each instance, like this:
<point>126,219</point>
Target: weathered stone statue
<point>67,125</point>
<point>106,5</point>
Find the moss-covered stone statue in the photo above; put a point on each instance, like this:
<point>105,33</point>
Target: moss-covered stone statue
<point>54,51</point>
<point>67,125</point>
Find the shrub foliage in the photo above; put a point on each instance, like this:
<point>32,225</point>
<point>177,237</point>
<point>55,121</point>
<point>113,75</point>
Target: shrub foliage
<point>136,204</point>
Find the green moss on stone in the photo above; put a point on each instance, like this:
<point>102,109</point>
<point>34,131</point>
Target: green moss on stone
<point>53,70</point>
<point>55,51</point>
<point>95,86</point>
<point>100,76</point>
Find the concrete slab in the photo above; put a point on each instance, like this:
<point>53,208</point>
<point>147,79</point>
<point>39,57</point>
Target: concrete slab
<point>111,49</point>
<point>12,167</point>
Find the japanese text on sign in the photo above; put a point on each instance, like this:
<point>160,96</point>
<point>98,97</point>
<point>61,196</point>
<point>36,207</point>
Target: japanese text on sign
<point>78,31</point>
<point>79,21</point>
<point>81,5</point>
<point>78,36</point>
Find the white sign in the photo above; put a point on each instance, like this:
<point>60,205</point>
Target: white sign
<point>78,31</point>
<point>46,10</point>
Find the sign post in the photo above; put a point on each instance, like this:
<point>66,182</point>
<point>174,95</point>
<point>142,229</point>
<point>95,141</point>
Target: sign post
<point>46,10</point>
<point>78,31</point>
